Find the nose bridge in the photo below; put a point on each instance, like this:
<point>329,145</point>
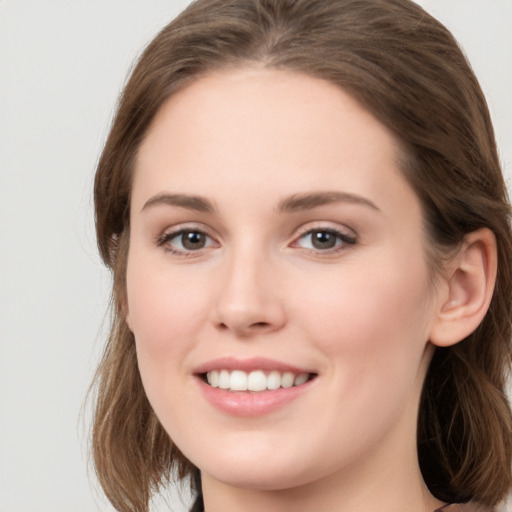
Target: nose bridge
<point>248,300</point>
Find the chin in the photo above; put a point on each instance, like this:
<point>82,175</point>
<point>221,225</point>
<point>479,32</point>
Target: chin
<point>267,470</point>
<point>267,478</point>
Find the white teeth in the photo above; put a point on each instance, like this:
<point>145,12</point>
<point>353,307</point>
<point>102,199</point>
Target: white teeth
<point>238,381</point>
<point>256,380</point>
<point>274,380</point>
<point>301,379</point>
<point>213,378</point>
<point>287,379</point>
<point>224,379</point>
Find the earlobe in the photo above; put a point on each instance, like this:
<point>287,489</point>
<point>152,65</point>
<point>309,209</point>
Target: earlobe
<point>470,285</point>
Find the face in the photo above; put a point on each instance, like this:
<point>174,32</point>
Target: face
<point>277,281</point>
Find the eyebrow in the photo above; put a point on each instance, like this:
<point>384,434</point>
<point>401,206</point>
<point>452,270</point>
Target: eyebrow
<point>197,203</point>
<point>308,201</point>
<point>294,203</point>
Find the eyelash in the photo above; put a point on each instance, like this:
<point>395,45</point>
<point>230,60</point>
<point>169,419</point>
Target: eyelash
<point>342,240</point>
<point>165,239</point>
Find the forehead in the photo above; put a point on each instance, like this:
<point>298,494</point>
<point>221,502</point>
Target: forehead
<point>254,127</point>
<point>287,104</point>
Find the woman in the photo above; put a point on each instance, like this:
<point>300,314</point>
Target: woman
<point>302,206</point>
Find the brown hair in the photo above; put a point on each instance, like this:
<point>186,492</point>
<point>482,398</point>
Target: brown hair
<point>405,68</point>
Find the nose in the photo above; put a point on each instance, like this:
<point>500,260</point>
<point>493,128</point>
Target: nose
<point>249,300</point>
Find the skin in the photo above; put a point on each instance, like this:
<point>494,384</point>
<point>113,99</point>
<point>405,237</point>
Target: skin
<point>359,316</point>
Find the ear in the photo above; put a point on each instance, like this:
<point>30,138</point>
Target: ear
<point>469,285</point>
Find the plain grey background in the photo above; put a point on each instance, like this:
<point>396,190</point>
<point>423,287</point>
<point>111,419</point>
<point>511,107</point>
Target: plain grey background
<point>62,65</point>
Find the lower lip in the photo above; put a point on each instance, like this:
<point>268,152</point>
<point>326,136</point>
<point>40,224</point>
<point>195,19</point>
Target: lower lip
<point>244,403</point>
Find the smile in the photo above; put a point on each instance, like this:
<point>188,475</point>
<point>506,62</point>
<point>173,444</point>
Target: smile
<point>252,387</point>
<point>255,381</point>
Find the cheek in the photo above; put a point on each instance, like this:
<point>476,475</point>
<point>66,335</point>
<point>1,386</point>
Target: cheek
<point>164,314</point>
<point>161,307</point>
<point>372,326</point>
<point>353,300</point>
<point>370,320</point>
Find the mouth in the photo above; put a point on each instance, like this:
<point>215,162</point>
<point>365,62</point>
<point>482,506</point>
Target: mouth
<point>255,381</point>
<point>252,387</point>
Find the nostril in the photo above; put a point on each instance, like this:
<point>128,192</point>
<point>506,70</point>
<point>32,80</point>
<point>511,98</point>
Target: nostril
<point>245,330</point>
<point>260,325</point>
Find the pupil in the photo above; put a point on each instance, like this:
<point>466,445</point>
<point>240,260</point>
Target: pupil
<point>323,240</point>
<point>193,240</point>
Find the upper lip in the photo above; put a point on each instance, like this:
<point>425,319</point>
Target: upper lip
<point>248,365</point>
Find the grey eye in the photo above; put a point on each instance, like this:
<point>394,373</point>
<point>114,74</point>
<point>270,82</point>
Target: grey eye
<point>186,241</point>
<point>324,240</point>
<point>192,240</point>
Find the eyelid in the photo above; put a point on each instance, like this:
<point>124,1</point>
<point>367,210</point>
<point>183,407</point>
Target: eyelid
<point>327,226</point>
